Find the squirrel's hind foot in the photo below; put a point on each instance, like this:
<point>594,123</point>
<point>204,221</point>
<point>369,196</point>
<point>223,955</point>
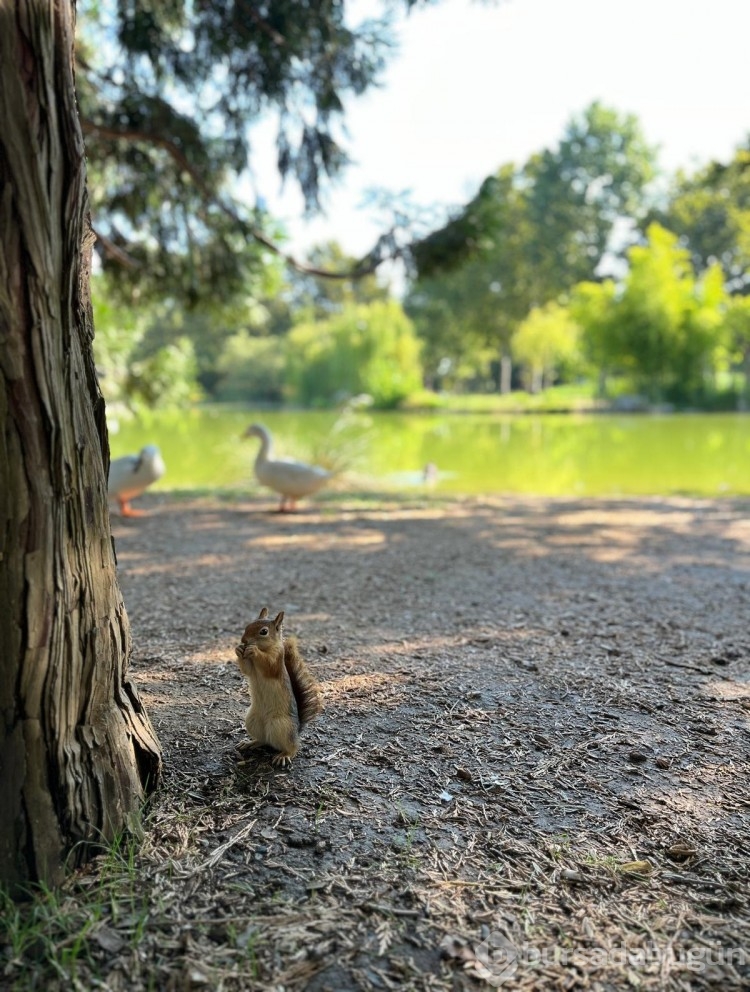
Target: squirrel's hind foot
<point>248,745</point>
<point>282,759</point>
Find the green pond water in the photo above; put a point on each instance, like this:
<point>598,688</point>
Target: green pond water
<point>556,455</point>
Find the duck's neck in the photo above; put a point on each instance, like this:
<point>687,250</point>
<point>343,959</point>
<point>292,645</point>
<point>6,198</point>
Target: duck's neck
<point>264,452</point>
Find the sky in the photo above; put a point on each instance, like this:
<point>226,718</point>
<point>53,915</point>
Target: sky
<point>475,85</point>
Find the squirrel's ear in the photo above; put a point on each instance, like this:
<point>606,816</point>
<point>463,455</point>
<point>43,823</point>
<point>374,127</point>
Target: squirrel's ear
<point>279,619</point>
<point>263,613</point>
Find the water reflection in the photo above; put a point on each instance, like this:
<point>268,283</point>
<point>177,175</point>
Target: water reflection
<point>692,454</point>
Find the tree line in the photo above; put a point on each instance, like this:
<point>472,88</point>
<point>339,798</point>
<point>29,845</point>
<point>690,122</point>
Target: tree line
<point>587,262</point>
<point>580,265</point>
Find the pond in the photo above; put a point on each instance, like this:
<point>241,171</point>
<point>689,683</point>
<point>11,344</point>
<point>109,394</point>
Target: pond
<point>471,454</point>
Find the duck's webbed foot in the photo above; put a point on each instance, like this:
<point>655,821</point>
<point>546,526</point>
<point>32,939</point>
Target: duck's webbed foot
<point>126,510</point>
<point>288,504</point>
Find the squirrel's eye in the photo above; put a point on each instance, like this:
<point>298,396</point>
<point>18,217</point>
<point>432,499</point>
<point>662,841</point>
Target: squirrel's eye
<point>263,631</point>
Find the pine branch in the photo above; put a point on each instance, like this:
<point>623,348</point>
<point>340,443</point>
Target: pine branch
<point>366,265</point>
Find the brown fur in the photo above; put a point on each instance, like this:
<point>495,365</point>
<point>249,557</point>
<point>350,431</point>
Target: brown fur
<point>304,686</point>
<point>284,693</point>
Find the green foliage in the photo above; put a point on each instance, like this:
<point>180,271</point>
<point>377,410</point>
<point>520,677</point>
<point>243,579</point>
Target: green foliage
<point>737,321</point>
<point>457,318</point>
<point>53,937</point>
<point>668,325</point>
<point>168,95</point>
<point>134,371</point>
<point>319,297</point>
<point>367,348</point>
<point>571,197</point>
<point>133,342</point>
<point>166,378</point>
<point>578,191</point>
<point>737,324</point>
<point>546,342</point>
<point>527,237</point>
<point>119,330</point>
<point>592,307</point>
<point>466,233</point>
<point>208,328</point>
<point>710,211</point>
<point>467,316</point>
<point>252,368</point>
<point>664,329</point>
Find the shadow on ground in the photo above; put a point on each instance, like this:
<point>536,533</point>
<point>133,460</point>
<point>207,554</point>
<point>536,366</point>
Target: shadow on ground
<point>531,769</point>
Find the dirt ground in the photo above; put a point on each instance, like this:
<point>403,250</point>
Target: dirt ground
<point>531,770</point>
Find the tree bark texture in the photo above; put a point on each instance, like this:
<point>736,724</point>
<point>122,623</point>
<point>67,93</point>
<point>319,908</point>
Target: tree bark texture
<point>77,750</point>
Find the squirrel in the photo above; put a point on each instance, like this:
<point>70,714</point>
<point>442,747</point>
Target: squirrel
<point>284,695</point>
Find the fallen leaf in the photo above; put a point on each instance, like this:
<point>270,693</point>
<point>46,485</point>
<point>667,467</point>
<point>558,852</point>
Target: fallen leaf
<point>636,868</point>
<point>109,940</point>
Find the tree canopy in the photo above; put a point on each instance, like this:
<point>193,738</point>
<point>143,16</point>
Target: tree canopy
<point>168,94</point>
<point>530,234</point>
<point>710,211</point>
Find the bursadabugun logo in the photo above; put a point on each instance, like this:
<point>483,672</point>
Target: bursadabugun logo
<point>496,959</point>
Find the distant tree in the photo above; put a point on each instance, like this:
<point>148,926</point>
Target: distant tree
<point>366,348</point>
<point>475,308</point>
<point>592,306</point>
<point>710,211</point>
<point>119,329</point>
<point>529,235</point>
<point>667,327</point>
<point>573,196</point>
<point>167,378</point>
<point>320,298</point>
<point>546,342</point>
<point>579,190</point>
<point>737,322</point>
<point>252,368</point>
<point>447,318</point>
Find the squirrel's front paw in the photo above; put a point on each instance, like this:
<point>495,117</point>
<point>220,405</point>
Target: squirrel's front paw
<point>246,654</point>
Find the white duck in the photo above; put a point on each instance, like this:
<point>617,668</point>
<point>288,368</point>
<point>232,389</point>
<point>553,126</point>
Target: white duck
<point>292,480</point>
<point>130,475</point>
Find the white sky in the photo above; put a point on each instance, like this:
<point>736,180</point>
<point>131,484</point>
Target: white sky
<point>474,86</point>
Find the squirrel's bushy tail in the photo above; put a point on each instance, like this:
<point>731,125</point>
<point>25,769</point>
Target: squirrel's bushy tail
<point>304,686</point>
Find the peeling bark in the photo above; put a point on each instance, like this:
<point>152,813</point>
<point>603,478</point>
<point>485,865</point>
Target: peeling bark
<point>77,750</point>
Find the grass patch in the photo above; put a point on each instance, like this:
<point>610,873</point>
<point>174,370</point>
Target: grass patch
<point>571,398</point>
<point>52,938</point>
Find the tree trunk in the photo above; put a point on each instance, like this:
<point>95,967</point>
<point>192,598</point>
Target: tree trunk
<point>743,401</point>
<point>506,372</point>
<point>77,750</point>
